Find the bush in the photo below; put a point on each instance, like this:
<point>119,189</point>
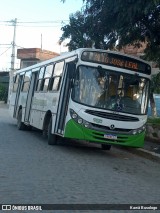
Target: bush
<point>151,120</point>
<point>3,93</point>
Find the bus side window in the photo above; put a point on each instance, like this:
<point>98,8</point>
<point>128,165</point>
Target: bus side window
<point>58,69</point>
<point>40,79</point>
<point>26,81</point>
<point>55,83</point>
<point>47,76</point>
<point>56,79</point>
<point>15,81</point>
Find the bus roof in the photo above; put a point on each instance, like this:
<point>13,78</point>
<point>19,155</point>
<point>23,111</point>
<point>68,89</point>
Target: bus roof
<point>74,53</point>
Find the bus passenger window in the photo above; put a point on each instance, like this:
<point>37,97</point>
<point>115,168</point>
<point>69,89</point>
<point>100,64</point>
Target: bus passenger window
<point>55,83</point>
<point>41,73</point>
<point>58,69</point>
<point>25,86</point>
<point>48,71</point>
<point>26,81</point>
<point>15,85</point>
<point>45,84</point>
<point>47,76</point>
<point>38,85</point>
<point>40,80</point>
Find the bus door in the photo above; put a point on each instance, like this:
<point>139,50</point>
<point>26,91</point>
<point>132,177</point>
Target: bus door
<point>64,97</point>
<point>30,94</point>
<point>19,78</point>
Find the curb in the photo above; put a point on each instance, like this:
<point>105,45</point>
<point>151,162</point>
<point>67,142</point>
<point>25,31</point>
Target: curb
<point>144,153</point>
<point>153,139</point>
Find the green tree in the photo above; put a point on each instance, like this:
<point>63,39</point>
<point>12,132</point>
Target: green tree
<point>114,24</point>
<point>129,22</point>
<point>154,88</point>
<point>76,31</point>
<point>3,93</point>
<point>104,22</point>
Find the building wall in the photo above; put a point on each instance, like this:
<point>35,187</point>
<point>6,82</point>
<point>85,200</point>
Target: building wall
<point>30,56</point>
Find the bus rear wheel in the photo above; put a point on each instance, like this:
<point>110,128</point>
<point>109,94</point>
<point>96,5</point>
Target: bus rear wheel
<point>105,146</point>
<point>20,124</point>
<point>52,138</point>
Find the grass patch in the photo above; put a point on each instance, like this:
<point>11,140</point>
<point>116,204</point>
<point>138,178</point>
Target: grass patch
<point>152,120</point>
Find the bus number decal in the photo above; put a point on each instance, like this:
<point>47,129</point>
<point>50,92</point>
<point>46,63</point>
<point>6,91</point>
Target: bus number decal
<point>39,102</point>
<point>97,120</point>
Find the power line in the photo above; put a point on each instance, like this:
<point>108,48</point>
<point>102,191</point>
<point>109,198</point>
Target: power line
<point>16,23</point>
<point>37,26</point>
<point>5,51</point>
<point>36,22</point>
<point>40,22</point>
<point>20,47</point>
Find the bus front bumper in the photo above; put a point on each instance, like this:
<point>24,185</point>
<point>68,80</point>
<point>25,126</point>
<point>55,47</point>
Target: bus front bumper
<point>77,131</point>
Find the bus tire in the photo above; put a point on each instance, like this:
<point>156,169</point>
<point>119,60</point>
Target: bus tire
<point>105,146</point>
<point>20,124</point>
<point>52,139</point>
<point>29,128</point>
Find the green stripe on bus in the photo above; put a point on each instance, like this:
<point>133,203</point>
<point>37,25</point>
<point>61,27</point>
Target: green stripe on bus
<point>73,130</point>
<point>77,131</point>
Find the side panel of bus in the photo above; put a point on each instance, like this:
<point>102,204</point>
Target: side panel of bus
<point>64,97</point>
<point>44,93</point>
<point>14,98</point>
<point>30,96</point>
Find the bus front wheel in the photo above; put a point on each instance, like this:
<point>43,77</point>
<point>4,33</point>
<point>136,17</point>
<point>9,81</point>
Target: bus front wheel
<point>20,124</point>
<point>52,138</point>
<point>105,146</point>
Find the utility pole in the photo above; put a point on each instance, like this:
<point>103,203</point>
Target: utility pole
<point>13,44</point>
<point>11,73</point>
<point>41,42</point>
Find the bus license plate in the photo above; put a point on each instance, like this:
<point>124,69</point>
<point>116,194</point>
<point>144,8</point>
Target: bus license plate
<point>113,137</point>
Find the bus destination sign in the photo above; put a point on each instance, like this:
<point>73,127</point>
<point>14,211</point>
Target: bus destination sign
<point>116,60</point>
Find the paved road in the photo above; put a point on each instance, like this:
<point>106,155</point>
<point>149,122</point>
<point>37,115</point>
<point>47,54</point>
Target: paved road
<point>31,171</point>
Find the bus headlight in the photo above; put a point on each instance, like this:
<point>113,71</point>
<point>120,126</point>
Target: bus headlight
<point>74,115</point>
<point>139,130</point>
<point>86,124</point>
<point>134,132</point>
<point>78,119</point>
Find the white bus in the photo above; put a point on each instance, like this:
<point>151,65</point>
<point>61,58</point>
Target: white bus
<point>87,94</point>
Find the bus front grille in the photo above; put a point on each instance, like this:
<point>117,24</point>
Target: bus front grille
<point>111,116</point>
<point>106,128</point>
<point>100,137</point>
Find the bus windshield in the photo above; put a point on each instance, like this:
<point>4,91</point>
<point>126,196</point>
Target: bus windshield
<point>110,90</point>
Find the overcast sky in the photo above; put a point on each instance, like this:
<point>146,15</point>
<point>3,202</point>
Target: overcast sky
<point>28,35</point>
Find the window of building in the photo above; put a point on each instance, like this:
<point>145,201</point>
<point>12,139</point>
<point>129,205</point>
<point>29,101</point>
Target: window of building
<point>27,63</point>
